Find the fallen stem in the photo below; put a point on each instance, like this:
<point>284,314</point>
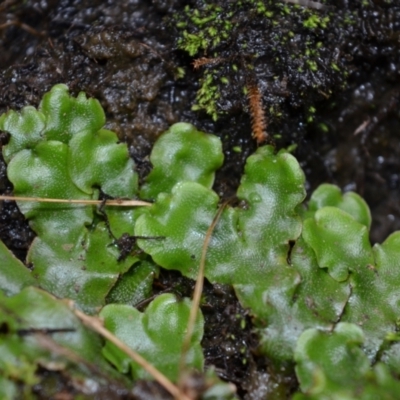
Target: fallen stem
<point>117,202</point>
<point>198,288</point>
<point>96,325</point>
<point>23,26</point>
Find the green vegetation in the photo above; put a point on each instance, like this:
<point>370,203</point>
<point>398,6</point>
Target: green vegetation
<point>321,297</point>
<point>341,374</point>
<point>60,151</point>
<point>141,331</point>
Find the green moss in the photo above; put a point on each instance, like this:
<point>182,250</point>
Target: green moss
<point>225,80</point>
<point>311,22</point>
<point>207,96</point>
<point>192,43</point>
<point>312,65</point>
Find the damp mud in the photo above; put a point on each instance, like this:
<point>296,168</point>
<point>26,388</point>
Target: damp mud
<point>125,54</point>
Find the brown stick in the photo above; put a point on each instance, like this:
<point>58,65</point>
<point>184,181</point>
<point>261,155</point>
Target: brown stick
<point>118,202</point>
<point>198,288</point>
<point>23,26</point>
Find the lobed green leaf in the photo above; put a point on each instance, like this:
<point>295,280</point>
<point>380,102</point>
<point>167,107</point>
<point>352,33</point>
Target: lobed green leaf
<point>330,195</point>
<point>182,154</point>
<point>67,116</point>
<point>97,160</point>
<point>26,130</point>
<point>331,365</point>
<point>341,244</point>
<point>157,335</point>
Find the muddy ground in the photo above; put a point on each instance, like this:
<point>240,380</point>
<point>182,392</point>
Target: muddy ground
<point>122,54</point>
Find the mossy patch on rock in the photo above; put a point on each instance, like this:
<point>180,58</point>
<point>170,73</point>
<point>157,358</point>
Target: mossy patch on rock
<point>296,54</point>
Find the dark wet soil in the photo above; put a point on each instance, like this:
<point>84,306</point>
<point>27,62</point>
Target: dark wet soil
<point>122,54</point>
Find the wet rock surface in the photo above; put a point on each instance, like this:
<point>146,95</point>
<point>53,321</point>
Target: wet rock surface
<point>124,54</point>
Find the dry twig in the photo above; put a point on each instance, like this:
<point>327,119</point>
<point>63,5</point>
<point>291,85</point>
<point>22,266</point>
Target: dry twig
<point>198,288</point>
<point>23,26</point>
<point>115,203</point>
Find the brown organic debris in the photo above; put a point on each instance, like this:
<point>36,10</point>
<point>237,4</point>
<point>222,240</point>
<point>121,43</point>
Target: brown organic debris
<point>259,122</point>
<point>200,62</point>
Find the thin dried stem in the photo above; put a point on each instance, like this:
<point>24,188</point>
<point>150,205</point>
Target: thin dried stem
<point>115,203</point>
<point>198,289</point>
<point>47,343</point>
<point>96,325</point>
<point>23,26</point>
